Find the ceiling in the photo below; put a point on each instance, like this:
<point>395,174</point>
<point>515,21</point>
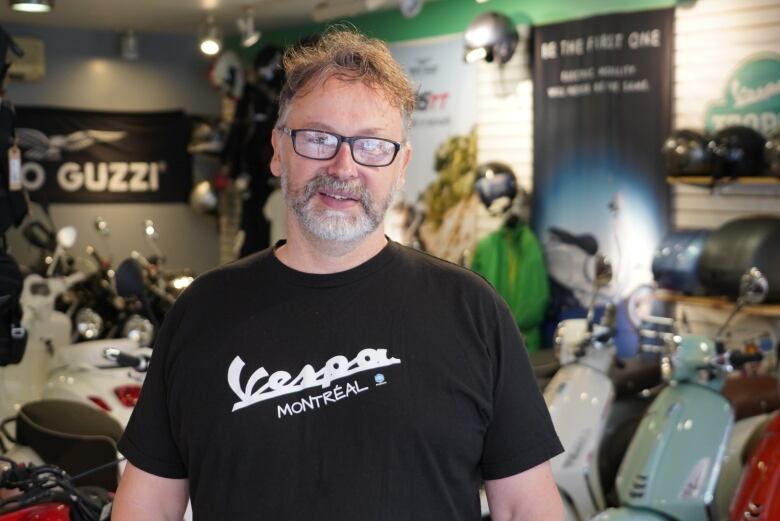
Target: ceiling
<point>184,15</point>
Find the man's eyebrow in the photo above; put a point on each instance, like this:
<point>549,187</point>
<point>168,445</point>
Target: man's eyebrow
<point>318,125</point>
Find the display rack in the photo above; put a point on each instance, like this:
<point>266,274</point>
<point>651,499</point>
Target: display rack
<point>722,303</point>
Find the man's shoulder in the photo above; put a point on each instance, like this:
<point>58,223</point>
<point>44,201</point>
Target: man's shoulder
<point>235,274</point>
<point>431,267</point>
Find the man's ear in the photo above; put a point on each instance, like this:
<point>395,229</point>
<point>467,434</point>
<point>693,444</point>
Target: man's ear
<point>406,155</point>
<point>276,160</point>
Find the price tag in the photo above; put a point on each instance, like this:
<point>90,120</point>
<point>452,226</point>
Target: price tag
<point>14,169</point>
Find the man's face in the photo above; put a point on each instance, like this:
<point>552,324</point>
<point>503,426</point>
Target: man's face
<point>338,199</point>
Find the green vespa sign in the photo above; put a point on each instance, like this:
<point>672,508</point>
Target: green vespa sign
<point>751,96</point>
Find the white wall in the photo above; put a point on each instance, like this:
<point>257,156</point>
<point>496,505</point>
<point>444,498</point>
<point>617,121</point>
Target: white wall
<point>84,71</point>
<point>505,120</point>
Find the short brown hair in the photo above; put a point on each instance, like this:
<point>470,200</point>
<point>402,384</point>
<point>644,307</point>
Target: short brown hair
<point>349,56</point>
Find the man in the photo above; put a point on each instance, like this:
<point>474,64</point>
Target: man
<point>339,376</point>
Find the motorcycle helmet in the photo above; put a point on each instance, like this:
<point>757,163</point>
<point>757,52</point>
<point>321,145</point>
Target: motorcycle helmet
<point>737,151</point>
<point>686,153</point>
<point>490,36</point>
<point>227,74</point>
<point>203,199</point>
<point>772,153</point>
<point>495,181</point>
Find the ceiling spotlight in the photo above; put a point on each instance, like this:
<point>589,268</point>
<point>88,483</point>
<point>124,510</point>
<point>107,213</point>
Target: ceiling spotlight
<point>246,25</point>
<point>32,6</point>
<point>128,46</point>
<point>211,38</point>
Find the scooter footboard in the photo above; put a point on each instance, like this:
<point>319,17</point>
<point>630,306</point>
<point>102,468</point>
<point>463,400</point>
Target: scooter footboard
<point>628,514</point>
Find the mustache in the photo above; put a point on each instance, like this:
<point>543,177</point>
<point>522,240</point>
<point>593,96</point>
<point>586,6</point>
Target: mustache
<point>354,188</point>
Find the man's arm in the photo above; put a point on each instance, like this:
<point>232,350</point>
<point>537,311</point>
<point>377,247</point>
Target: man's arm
<point>528,496</point>
<point>145,496</point>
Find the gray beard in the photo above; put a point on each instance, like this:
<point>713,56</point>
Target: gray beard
<point>334,225</point>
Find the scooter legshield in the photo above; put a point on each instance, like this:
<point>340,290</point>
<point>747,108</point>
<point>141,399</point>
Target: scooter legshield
<point>579,398</point>
<point>673,462</point>
<point>628,514</point>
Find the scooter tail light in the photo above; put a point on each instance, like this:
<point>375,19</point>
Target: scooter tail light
<point>100,402</point>
<point>128,394</point>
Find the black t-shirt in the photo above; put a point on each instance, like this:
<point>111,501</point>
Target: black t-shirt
<point>385,392</point>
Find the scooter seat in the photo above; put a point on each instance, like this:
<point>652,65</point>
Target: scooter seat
<point>632,375</point>
<point>586,242</point>
<point>752,395</point>
<point>73,436</point>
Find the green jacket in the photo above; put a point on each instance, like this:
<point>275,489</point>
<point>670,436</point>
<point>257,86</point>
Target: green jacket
<point>512,260</point>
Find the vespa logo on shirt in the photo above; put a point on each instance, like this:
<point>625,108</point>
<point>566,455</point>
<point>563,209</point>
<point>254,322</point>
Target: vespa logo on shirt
<point>281,383</point>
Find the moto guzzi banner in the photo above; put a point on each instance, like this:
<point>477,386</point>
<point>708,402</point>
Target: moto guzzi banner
<point>74,156</point>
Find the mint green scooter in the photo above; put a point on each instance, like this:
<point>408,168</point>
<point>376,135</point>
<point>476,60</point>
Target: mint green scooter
<point>676,464</point>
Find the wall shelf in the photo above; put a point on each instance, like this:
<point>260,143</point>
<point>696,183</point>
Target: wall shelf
<point>709,182</point>
<point>722,303</point>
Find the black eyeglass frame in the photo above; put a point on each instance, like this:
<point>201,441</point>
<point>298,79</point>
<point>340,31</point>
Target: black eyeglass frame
<point>341,139</point>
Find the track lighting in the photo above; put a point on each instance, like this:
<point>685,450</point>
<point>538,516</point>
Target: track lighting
<point>32,6</point>
<point>211,38</point>
<point>246,26</point>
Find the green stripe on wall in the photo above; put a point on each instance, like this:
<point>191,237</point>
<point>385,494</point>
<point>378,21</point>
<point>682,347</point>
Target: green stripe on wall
<point>441,17</point>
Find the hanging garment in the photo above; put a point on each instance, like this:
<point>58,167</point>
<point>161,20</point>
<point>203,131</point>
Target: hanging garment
<point>511,259</point>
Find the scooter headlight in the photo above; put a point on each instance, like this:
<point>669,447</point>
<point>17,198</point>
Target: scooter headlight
<point>89,323</point>
<point>182,282</point>
<point>139,329</point>
<point>667,369</point>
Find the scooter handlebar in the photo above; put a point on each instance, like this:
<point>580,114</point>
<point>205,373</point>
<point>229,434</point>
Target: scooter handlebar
<point>122,359</point>
<point>739,358</point>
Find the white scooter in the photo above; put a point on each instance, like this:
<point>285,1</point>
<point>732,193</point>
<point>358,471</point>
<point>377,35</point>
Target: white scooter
<point>53,368</point>
<point>581,399</point>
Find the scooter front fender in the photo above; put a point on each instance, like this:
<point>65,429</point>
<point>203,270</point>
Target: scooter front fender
<point>628,514</point>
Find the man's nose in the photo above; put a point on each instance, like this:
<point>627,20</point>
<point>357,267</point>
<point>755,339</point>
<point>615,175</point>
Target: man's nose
<point>342,165</point>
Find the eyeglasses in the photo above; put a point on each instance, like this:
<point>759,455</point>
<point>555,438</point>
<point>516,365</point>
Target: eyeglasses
<point>321,145</point>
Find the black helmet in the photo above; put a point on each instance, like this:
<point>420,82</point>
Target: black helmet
<point>737,151</point>
<point>490,36</point>
<point>495,180</point>
<point>772,152</point>
<point>685,153</point>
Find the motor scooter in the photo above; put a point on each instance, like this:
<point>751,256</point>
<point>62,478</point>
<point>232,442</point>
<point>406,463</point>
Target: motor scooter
<point>757,495</point>
<point>582,398</point>
<point>678,465</point>
<point>52,367</point>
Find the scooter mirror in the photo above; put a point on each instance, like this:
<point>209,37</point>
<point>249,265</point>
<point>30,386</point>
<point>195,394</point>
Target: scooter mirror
<point>149,230</point>
<point>38,235</point>
<point>129,279</point>
<point>102,226</point>
<point>66,237</point>
<point>753,287</point>
<point>602,270</point>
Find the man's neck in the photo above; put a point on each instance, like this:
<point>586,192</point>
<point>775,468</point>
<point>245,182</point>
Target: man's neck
<point>306,253</point>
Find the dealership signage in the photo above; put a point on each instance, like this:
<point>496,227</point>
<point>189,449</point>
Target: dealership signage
<point>77,156</point>
<point>751,96</point>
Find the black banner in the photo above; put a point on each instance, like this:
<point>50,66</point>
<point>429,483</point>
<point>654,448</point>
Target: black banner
<point>602,109</point>
<point>73,156</point>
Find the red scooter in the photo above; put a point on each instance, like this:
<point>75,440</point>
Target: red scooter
<point>47,493</point>
<point>758,494</point>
